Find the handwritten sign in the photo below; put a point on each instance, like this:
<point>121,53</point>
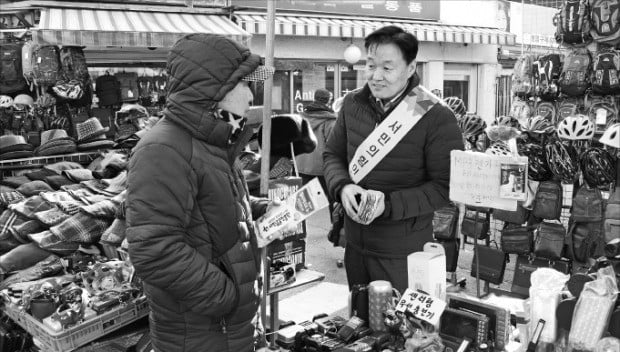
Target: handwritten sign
<point>421,305</point>
<point>475,179</point>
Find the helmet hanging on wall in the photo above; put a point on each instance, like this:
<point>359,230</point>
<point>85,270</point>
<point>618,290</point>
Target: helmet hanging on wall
<point>611,136</point>
<point>457,106</point>
<point>562,160</point>
<point>598,167</point>
<point>576,127</point>
<point>6,101</point>
<point>538,168</point>
<point>472,125</point>
<point>498,148</point>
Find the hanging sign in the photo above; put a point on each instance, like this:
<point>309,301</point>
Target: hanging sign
<point>475,179</point>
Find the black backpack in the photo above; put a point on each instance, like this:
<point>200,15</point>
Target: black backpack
<point>605,72</point>
<point>548,200</point>
<point>11,75</point>
<point>573,23</point>
<point>546,72</point>
<point>587,205</point>
<point>576,72</point>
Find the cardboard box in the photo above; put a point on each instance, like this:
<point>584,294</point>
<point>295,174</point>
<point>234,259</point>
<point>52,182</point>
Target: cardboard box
<point>290,251</point>
<point>427,272</point>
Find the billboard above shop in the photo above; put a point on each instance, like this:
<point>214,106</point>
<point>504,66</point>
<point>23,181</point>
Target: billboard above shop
<point>405,9</point>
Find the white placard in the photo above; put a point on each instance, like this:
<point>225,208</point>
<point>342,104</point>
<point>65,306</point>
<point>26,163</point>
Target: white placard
<point>475,179</point>
<point>422,306</point>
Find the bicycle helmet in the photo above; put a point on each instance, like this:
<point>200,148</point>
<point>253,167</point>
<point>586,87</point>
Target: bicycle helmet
<point>506,121</point>
<point>537,124</point>
<point>611,136</point>
<point>6,101</point>
<point>498,149</point>
<point>23,100</point>
<point>562,160</point>
<point>576,127</point>
<point>457,105</point>
<point>471,125</point>
<point>598,167</point>
<point>538,168</point>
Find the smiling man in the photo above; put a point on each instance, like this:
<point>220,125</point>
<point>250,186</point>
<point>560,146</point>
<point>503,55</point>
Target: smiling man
<point>391,143</point>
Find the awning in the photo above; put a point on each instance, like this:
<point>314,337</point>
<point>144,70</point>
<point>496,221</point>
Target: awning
<point>299,25</point>
<point>102,28</point>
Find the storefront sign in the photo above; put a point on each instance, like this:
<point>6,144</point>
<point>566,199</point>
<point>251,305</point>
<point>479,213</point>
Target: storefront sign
<point>409,9</point>
<point>475,179</point>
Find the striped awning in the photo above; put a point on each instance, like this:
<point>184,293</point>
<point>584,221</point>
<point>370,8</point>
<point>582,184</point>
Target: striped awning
<point>102,28</point>
<point>299,25</point>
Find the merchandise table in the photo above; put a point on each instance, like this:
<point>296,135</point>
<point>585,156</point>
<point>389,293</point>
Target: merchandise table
<point>302,277</point>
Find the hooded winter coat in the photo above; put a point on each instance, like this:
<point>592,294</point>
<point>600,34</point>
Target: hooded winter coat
<point>414,176</point>
<point>322,120</point>
<point>189,211</point>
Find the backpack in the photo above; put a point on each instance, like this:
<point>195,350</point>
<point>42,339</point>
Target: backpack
<point>605,70</point>
<point>567,108</point>
<point>611,221</point>
<point>73,64</point>
<point>521,110</point>
<point>11,76</point>
<point>547,110</point>
<point>546,72</point>
<point>548,200</point>
<point>522,76</point>
<point>587,205</point>
<point>129,85</point>
<point>584,240</point>
<point>108,90</point>
<point>601,110</point>
<point>27,63</point>
<point>605,21</point>
<point>46,65</point>
<point>576,71</point>
<point>573,23</point>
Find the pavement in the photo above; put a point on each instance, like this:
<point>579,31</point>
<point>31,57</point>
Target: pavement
<point>331,294</point>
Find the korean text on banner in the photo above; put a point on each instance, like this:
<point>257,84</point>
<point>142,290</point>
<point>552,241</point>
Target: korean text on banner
<point>475,179</point>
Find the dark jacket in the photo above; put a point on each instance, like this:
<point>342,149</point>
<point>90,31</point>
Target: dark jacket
<point>322,120</point>
<point>189,212</point>
<point>414,176</point>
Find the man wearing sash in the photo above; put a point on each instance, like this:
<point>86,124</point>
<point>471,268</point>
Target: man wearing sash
<point>391,143</point>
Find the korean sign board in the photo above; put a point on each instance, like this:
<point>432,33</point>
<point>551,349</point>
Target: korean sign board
<point>407,9</point>
<point>476,179</point>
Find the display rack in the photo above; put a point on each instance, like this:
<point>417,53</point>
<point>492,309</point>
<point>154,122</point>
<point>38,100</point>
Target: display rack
<point>7,166</point>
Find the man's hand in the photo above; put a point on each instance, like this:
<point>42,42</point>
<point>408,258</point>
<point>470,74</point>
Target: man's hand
<point>379,207</point>
<point>348,197</point>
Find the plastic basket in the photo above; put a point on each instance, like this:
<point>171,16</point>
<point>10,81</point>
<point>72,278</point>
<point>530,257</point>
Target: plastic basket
<point>74,337</point>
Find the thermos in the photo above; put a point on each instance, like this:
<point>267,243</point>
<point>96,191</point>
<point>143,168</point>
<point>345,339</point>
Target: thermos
<point>380,295</point>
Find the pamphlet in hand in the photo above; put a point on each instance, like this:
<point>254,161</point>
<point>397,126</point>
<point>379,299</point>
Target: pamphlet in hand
<point>297,207</point>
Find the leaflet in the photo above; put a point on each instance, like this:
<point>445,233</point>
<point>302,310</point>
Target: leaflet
<point>297,207</point>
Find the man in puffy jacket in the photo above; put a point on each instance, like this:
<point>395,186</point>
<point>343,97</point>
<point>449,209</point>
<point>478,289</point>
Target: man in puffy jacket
<point>410,182</point>
<point>190,216</point>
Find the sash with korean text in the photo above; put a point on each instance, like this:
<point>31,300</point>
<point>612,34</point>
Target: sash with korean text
<point>389,132</point>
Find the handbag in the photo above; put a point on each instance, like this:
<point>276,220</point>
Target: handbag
<point>445,222</point>
<point>491,264</point>
<point>549,241</point>
<point>517,239</point>
<point>527,264</point>
<point>518,216</point>
<point>477,229</point>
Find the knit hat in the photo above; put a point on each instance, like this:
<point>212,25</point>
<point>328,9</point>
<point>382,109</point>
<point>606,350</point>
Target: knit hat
<point>90,129</point>
<point>261,73</point>
<point>322,96</point>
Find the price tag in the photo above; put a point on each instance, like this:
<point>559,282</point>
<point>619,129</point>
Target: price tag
<point>421,305</point>
<point>601,116</point>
